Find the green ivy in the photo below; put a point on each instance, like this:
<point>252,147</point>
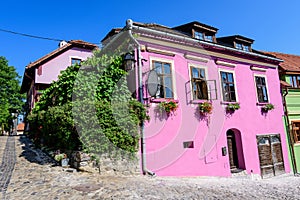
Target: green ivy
<point>107,117</point>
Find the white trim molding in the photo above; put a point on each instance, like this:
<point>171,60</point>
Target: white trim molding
<point>160,51</point>
<point>219,62</point>
<point>196,58</point>
<point>254,68</point>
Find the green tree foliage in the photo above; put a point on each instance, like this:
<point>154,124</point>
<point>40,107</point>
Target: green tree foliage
<point>93,103</point>
<point>10,98</point>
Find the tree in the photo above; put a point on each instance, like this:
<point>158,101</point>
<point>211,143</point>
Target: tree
<point>10,98</point>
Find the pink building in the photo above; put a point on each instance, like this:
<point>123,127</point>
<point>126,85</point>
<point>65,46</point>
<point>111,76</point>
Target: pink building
<point>193,66</point>
<point>39,74</point>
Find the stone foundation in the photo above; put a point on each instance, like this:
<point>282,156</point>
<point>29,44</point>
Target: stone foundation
<point>105,164</point>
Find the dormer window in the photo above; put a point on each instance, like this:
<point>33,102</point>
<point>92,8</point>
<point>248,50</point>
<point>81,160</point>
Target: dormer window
<point>237,41</point>
<point>198,31</point>
<point>198,35</point>
<point>243,47</point>
<point>239,46</point>
<point>209,38</point>
<point>203,36</point>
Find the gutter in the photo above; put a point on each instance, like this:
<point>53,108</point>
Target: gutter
<point>183,38</point>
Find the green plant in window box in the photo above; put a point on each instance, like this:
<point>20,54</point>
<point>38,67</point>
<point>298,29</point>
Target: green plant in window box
<point>233,106</point>
<point>267,107</point>
<point>205,108</point>
<point>168,106</point>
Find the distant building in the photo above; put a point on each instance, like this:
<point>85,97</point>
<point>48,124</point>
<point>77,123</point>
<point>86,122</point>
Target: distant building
<point>39,74</point>
<point>192,66</point>
<point>289,72</point>
<point>20,128</point>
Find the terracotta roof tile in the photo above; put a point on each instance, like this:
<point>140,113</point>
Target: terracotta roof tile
<point>20,127</point>
<point>291,62</point>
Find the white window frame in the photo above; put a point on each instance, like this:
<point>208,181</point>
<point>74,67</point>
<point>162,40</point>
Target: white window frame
<point>190,65</point>
<point>75,57</point>
<point>267,88</point>
<point>152,59</point>
<point>221,85</point>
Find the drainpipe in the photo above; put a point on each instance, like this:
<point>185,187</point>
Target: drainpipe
<point>129,25</point>
<point>290,141</point>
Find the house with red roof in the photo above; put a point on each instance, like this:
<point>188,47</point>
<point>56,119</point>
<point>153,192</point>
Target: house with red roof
<point>289,71</point>
<point>41,73</point>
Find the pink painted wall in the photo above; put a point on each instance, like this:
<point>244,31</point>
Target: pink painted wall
<point>52,68</point>
<point>165,154</point>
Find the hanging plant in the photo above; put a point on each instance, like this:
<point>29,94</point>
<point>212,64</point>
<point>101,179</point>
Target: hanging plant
<point>205,108</point>
<point>168,106</point>
<point>267,107</point>
<point>232,107</point>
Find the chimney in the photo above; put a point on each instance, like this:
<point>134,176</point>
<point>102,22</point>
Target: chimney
<point>62,43</point>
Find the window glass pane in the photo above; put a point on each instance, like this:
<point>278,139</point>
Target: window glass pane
<point>247,48</point>
<point>239,46</point>
<point>265,97</point>
<point>232,96</point>
<point>209,38</point>
<point>202,73</point>
<point>291,80</point>
<point>167,68</point>
<point>257,79</point>
<point>263,81</point>
<point>198,35</point>
<point>224,77</point>
<point>158,67</point>
<point>195,72</point>
<point>298,81</point>
<point>230,77</point>
<point>75,61</point>
<point>168,87</point>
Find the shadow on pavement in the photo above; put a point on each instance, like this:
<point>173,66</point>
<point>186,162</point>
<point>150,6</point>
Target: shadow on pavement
<point>33,154</point>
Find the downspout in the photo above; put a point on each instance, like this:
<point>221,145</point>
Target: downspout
<point>291,143</point>
<point>129,25</point>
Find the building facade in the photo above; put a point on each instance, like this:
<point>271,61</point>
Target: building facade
<point>41,73</point>
<point>289,72</point>
<point>191,67</point>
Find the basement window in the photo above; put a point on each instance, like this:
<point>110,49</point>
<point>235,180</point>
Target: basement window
<point>188,144</point>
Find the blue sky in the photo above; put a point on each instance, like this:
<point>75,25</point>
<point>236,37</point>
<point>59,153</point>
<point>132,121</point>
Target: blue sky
<point>273,25</point>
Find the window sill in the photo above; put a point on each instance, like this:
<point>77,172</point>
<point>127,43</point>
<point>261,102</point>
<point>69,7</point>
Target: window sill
<point>261,104</point>
<point>163,100</point>
<point>198,101</point>
<point>228,102</point>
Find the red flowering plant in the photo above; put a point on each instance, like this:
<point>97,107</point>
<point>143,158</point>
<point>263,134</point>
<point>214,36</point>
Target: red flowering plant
<point>168,106</point>
<point>205,108</point>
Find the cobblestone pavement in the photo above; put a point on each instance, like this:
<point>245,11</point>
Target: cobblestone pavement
<point>7,164</point>
<point>36,177</point>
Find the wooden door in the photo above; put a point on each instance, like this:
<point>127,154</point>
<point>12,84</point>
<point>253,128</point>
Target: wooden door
<point>233,159</point>
<point>270,155</point>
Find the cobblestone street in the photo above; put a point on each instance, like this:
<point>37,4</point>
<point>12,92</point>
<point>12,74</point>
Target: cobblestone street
<point>27,173</point>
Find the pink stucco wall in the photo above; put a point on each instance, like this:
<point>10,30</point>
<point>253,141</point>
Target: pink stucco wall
<point>165,154</point>
<point>52,68</point>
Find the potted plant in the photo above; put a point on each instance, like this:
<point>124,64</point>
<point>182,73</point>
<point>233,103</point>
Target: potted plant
<point>267,107</point>
<point>205,108</point>
<point>62,158</point>
<point>232,107</point>
<point>168,106</point>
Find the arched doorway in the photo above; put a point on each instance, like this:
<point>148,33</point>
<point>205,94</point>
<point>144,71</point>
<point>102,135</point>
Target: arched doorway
<point>235,150</point>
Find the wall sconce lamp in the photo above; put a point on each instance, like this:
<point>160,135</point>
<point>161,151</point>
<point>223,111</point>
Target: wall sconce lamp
<point>129,61</point>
